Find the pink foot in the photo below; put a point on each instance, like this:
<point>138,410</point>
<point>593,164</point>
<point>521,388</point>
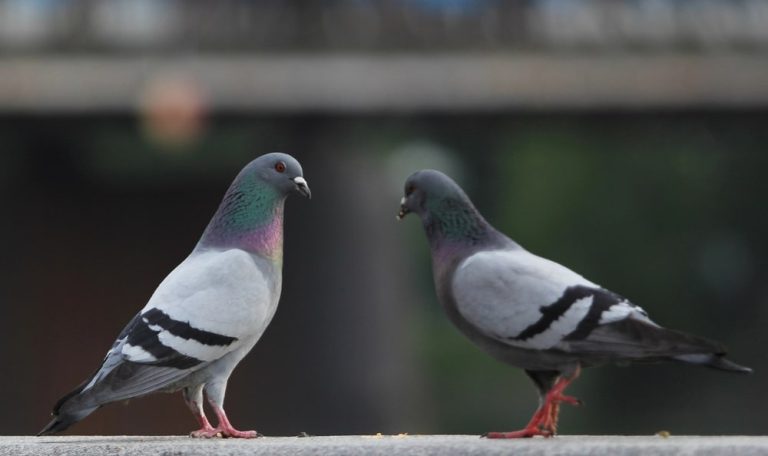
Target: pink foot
<point>558,398</point>
<point>225,428</point>
<point>211,433</point>
<point>205,433</point>
<point>235,434</point>
<point>544,421</point>
<point>535,427</point>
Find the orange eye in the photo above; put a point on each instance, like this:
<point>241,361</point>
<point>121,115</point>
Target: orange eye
<point>280,167</point>
<point>409,190</point>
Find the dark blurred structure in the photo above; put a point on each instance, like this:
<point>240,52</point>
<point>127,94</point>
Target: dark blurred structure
<point>625,139</point>
<point>381,25</point>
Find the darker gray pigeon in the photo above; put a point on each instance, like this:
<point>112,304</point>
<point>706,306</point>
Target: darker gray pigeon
<point>208,312</point>
<point>531,312</point>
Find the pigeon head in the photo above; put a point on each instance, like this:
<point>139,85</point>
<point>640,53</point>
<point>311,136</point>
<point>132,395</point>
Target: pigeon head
<point>426,191</point>
<point>445,210</point>
<point>251,215</point>
<point>279,171</point>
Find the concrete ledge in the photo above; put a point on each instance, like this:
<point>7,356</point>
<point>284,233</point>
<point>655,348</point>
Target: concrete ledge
<point>383,445</point>
<point>390,83</point>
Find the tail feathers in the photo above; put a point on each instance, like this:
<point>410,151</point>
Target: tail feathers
<point>61,422</point>
<point>637,340</point>
<point>113,382</point>
<point>714,361</point>
<point>56,425</point>
<point>69,410</point>
<point>641,341</point>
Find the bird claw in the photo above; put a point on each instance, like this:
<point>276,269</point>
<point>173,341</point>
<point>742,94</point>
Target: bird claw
<point>544,421</point>
<point>234,433</point>
<point>204,433</point>
<point>569,400</point>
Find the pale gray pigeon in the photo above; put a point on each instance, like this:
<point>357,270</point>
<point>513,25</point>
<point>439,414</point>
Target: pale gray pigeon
<point>208,312</point>
<point>531,312</point>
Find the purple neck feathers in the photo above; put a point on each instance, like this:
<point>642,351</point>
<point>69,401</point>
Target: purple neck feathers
<point>265,238</point>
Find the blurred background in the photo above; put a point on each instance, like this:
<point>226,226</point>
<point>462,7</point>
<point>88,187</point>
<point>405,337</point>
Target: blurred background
<point>624,139</point>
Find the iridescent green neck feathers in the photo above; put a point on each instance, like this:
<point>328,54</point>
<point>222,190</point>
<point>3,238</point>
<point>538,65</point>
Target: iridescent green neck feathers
<point>250,218</point>
<point>454,220</point>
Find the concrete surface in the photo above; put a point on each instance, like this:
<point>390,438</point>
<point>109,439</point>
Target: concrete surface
<point>419,445</point>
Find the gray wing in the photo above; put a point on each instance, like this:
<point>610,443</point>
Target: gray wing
<point>119,378</point>
<point>213,304</point>
<point>520,299</point>
<point>138,363</point>
<point>634,339</point>
<point>209,306</point>
<point>526,301</point>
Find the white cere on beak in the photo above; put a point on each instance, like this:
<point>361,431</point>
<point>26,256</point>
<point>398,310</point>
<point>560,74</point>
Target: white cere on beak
<point>300,180</point>
<point>401,214</point>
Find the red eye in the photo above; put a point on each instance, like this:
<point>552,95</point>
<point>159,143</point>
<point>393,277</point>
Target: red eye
<point>280,167</point>
<point>409,190</point>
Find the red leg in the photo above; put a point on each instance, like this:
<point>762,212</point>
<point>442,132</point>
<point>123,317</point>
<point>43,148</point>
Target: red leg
<point>194,400</point>
<point>226,429</point>
<point>533,428</point>
<point>206,431</point>
<point>555,397</point>
<point>544,421</point>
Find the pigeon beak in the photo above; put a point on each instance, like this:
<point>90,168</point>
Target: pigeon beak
<point>403,210</point>
<point>302,187</point>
